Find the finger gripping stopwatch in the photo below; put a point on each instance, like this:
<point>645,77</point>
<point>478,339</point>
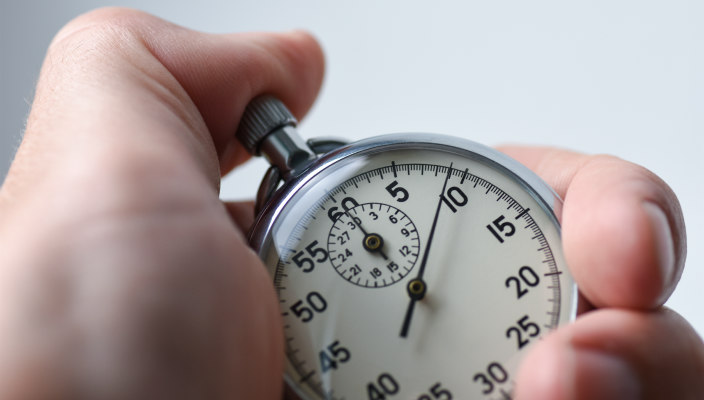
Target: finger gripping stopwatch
<point>408,266</point>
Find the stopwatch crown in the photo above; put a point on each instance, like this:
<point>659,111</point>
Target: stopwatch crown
<point>262,116</point>
<point>268,128</point>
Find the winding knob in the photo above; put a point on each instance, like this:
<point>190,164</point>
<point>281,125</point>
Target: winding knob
<point>263,115</point>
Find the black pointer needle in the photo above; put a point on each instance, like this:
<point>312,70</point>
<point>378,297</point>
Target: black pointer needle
<point>417,287</point>
<point>372,242</point>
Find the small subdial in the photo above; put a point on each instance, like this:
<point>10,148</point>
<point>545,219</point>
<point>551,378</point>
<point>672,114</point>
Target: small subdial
<point>373,245</point>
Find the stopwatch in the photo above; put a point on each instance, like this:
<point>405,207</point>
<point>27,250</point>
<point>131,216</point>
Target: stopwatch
<point>407,266</point>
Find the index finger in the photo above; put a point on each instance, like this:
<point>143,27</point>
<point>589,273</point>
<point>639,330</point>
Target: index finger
<point>623,230</point>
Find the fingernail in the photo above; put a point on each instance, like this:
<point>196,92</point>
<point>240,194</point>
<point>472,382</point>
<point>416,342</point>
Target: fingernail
<point>664,244</point>
<point>599,375</point>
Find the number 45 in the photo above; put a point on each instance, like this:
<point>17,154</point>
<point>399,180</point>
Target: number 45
<point>333,354</point>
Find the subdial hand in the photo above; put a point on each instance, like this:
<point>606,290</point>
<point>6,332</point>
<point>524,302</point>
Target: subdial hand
<point>372,242</point>
<point>417,287</point>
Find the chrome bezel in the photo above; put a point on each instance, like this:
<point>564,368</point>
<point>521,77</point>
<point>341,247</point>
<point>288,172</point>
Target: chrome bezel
<point>261,234</point>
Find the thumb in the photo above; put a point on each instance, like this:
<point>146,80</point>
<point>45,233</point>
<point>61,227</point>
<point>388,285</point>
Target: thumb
<point>616,354</point>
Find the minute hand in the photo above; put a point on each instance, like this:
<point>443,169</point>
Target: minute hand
<point>417,287</point>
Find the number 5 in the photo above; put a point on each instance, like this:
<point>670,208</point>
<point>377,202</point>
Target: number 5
<point>396,191</point>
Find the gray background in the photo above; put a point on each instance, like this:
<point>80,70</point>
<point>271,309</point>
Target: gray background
<point>612,76</point>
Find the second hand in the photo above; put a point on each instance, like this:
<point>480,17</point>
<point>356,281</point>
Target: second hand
<point>417,286</point>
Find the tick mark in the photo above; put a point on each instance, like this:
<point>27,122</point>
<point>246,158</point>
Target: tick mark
<point>553,273</point>
<point>464,176</point>
<point>307,376</point>
<point>524,212</point>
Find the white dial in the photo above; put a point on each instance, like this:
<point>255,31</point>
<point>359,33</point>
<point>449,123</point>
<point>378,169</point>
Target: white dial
<point>456,269</point>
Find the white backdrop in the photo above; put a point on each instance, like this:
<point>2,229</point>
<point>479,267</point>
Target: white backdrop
<point>604,76</point>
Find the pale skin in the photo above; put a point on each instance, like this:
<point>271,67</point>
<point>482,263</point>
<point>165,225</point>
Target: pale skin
<point>125,277</point>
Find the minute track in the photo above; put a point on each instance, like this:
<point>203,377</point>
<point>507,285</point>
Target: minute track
<point>378,266</point>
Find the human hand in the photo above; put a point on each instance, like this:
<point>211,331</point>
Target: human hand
<point>624,241</point>
<point>123,276</point>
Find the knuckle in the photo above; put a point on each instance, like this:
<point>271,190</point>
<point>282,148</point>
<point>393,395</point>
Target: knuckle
<point>99,32</point>
<point>101,19</point>
<point>629,176</point>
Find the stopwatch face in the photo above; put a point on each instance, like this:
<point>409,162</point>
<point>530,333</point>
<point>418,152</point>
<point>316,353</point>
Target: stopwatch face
<point>416,267</point>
